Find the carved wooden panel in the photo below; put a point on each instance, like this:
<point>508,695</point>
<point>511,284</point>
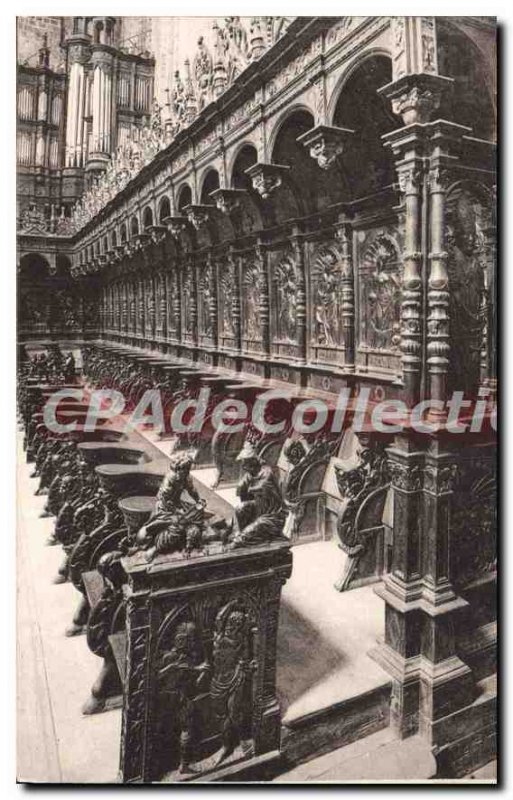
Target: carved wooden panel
<point>473,521</point>
<point>227,299</point>
<point>251,299</point>
<point>285,284</point>
<point>188,301</point>
<point>205,295</point>
<point>378,268</point>
<point>325,270</point>
<point>470,261</point>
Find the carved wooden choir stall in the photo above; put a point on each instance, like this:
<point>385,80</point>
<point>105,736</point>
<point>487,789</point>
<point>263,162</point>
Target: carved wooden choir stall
<point>317,220</point>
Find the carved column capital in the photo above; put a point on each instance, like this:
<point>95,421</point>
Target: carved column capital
<point>415,97</point>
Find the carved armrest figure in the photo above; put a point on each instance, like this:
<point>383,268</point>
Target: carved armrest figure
<point>261,514</point>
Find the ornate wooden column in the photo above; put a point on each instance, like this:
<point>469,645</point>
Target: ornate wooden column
<point>438,289</point>
<point>299,258</point>
<point>213,299</point>
<point>151,306</point>
<point>422,611</point>
<point>344,236</point>
<point>124,308</point>
<point>141,311</point>
<point>264,305</point>
<point>235,266</point>
<point>402,587</point>
<point>177,298</point>
<point>133,307</point>
<point>193,268</point>
<point>163,305</point>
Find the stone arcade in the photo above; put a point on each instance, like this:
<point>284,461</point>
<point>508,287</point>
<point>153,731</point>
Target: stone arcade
<point>310,211</point>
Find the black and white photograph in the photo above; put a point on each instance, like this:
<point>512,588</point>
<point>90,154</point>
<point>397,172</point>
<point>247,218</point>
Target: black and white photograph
<point>256,388</point>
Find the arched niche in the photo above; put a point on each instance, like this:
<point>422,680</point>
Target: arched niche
<point>209,184</point>
<point>164,208</point>
<point>134,226</point>
<point>123,233</point>
<point>366,166</point>
<point>472,99</point>
<point>184,197</point>
<point>297,194</point>
<point>250,212</point>
<point>147,218</point>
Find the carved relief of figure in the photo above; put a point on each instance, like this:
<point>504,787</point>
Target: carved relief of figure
<point>230,689</point>
<point>380,293</point>
<point>226,298</point>
<point>327,298</point>
<point>188,301</point>
<point>205,305</point>
<point>466,266</point>
<point>181,674</point>
<point>286,282</point>
<point>252,289</point>
<point>261,514</point>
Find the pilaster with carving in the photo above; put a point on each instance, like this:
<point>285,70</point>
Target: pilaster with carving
<point>301,313</point>
<point>264,305</point>
<point>344,236</point>
<point>402,587</point>
<point>235,270</point>
<point>438,345</point>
